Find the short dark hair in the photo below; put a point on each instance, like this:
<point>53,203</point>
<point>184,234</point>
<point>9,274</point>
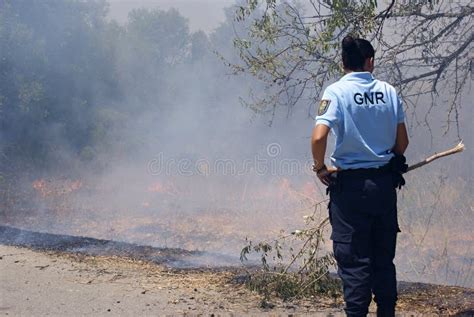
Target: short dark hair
<point>355,52</point>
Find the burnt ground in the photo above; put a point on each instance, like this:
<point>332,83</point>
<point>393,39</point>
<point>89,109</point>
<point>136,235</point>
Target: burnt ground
<point>170,257</point>
<point>46,274</point>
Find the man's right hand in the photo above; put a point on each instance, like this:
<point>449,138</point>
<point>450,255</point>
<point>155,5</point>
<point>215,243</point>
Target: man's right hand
<point>324,174</point>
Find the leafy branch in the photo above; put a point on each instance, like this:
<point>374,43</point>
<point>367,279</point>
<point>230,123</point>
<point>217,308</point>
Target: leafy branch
<point>294,264</point>
<point>422,48</point>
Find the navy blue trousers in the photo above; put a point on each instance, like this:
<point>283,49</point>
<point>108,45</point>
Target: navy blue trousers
<point>363,215</point>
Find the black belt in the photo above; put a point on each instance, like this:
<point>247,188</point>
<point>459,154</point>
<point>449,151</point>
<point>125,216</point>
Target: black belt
<point>365,172</point>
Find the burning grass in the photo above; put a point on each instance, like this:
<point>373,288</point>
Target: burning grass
<point>434,244</point>
<point>161,213</point>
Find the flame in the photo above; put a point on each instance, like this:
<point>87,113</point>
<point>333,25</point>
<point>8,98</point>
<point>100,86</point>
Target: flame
<point>40,186</point>
<point>161,188</point>
<point>48,188</point>
<point>156,188</point>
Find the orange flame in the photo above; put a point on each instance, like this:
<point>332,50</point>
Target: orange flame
<point>48,188</point>
<point>158,187</point>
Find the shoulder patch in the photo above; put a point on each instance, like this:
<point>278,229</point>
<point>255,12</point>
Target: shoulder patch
<point>323,106</point>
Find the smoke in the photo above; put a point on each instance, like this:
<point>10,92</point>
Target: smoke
<point>136,134</point>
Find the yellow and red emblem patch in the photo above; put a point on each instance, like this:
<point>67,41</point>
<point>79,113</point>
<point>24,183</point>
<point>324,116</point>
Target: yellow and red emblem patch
<point>323,106</point>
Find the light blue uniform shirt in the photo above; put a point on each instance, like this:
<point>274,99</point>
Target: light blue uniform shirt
<point>363,113</point>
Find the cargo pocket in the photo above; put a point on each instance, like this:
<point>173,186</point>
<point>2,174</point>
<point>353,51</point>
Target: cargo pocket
<point>342,247</point>
<point>385,246</point>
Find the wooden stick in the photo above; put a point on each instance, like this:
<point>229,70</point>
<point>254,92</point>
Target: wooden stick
<point>458,148</point>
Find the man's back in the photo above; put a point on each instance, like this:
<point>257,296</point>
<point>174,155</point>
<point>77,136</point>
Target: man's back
<point>364,114</point>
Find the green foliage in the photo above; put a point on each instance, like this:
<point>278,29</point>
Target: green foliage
<point>87,153</point>
<point>271,22</point>
<point>294,265</point>
<point>160,36</point>
<point>290,53</point>
<point>48,77</point>
<point>71,81</point>
<point>295,49</point>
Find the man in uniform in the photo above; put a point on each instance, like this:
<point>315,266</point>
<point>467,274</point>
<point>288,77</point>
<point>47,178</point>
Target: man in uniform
<point>367,118</point>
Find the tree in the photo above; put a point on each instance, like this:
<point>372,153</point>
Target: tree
<point>52,67</point>
<point>422,48</point>
<point>149,48</point>
<point>70,80</point>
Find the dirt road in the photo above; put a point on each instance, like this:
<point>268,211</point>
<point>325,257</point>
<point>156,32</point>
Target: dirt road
<point>38,284</point>
<point>34,283</point>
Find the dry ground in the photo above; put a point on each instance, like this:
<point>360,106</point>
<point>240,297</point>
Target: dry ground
<point>34,283</point>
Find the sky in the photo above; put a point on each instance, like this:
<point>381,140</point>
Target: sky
<point>203,15</point>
